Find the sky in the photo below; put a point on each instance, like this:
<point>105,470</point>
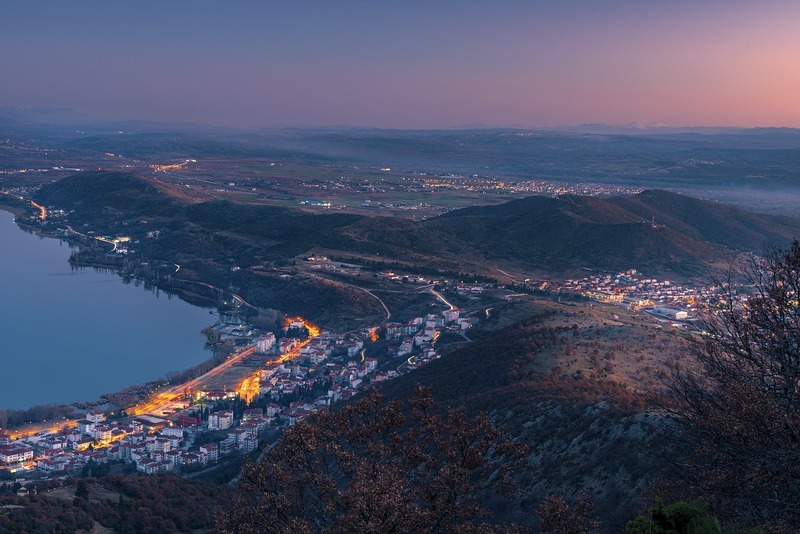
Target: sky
<point>409,64</point>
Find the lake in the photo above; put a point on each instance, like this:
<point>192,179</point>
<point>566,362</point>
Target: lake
<point>69,335</point>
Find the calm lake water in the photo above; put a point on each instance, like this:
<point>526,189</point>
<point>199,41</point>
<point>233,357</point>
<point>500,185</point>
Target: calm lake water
<point>70,335</point>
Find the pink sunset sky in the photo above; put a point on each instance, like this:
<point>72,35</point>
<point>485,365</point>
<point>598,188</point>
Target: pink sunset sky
<point>408,64</point>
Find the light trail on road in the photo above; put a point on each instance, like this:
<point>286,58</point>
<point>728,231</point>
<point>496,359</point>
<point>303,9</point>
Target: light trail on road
<point>250,387</point>
<point>440,297</point>
<point>162,399</point>
<point>42,210</point>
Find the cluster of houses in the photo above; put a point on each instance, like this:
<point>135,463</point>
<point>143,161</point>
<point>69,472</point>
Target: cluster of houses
<point>153,444</point>
<point>170,447</point>
<point>348,379</point>
<point>632,289</point>
<point>157,445</point>
<point>312,366</point>
<point>327,356</point>
<point>340,359</point>
<point>421,333</point>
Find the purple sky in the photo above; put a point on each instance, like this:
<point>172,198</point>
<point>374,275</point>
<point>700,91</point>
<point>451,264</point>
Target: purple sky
<point>409,64</point>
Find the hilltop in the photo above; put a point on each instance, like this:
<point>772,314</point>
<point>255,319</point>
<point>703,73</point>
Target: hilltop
<point>108,195</point>
<point>714,222</point>
<point>658,231</point>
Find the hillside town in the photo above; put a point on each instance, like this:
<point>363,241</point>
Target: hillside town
<point>306,370</point>
<point>636,291</point>
<point>303,369</point>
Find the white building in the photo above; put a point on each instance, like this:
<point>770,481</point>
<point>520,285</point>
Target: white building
<point>265,343</point>
<point>273,410</point>
<point>220,420</point>
<point>671,313</point>
<point>451,316</point>
<point>102,432</point>
<point>96,417</point>
<point>172,431</point>
<point>161,445</point>
<point>86,427</point>
<point>13,455</point>
<point>210,451</point>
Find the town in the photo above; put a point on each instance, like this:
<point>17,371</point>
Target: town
<point>365,189</point>
<point>631,289</point>
<point>306,370</point>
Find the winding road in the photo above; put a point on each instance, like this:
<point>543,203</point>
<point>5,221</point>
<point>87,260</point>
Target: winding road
<point>440,297</point>
<point>367,291</point>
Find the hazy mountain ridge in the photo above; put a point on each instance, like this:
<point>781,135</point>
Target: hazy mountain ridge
<point>712,221</point>
<point>656,157</point>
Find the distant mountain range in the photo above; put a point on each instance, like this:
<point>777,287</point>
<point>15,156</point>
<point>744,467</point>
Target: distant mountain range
<point>752,167</point>
<point>52,115</point>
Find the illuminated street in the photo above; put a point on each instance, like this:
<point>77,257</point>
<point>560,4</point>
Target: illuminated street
<point>250,387</point>
<point>162,400</point>
<point>247,389</point>
<point>42,210</point>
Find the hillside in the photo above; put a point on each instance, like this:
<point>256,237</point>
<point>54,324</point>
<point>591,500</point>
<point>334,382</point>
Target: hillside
<point>570,232</point>
<point>207,239</point>
<point>107,195</point>
<point>571,384</point>
<point>717,223</point>
<point>655,231</point>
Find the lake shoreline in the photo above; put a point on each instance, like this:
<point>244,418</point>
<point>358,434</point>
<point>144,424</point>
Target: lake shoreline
<point>101,400</point>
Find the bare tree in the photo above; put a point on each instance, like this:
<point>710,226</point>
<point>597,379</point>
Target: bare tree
<point>366,468</point>
<point>740,404</point>
<point>558,517</point>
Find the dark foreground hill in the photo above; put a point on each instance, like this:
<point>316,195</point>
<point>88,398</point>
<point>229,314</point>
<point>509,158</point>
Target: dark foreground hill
<point>576,427</point>
<point>583,420</point>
